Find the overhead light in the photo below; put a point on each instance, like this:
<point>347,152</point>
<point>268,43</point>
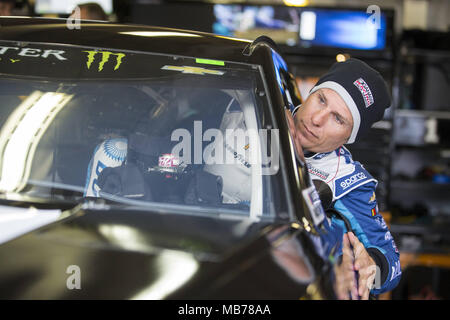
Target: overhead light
<point>341,57</point>
<point>21,134</point>
<point>233,38</point>
<point>124,237</point>
<point>295,225</point>
<point>296,3</point>
<point>308,25</point>
<point>159,34</point>
<point>15,222</point>
<point>174,269</point>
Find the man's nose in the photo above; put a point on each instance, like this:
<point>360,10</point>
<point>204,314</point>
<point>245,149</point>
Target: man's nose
<point>319,117</point>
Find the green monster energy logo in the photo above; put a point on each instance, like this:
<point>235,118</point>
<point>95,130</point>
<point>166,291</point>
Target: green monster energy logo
<point>105,59</point>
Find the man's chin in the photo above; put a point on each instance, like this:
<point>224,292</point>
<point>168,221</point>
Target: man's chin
<point>312,148</point>
<point>307,145</point>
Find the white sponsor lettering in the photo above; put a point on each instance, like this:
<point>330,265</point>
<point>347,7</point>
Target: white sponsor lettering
<point>394,246</point>
<point>56,53</point>
<point>381,222</point>
<point>365,91</point>
<point>387,236</point>
<point>29,52</point>
<point>320,173</point>
<point>353,179</point>
<point>4,49</point>
<point>33,52</point>
<point>396,270</point>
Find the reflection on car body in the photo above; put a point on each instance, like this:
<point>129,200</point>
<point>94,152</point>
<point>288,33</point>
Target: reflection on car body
<point>168,158</point>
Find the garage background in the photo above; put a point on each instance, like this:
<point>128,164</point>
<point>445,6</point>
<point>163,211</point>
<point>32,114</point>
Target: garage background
<point>408,151</point>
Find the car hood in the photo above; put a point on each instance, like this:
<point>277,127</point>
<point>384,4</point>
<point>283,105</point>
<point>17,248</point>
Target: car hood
<point>123,254</point>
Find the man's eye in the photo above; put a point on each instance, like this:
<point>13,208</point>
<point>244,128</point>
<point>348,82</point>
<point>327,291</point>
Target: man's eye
<point>339,120</point>
<point>322,101</point>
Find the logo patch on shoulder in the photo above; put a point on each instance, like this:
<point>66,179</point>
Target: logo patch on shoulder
<point>365,91</point>
<point>373,198</point>
<point>350,181</point>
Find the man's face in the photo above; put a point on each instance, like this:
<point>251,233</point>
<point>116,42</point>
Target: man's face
<point>323,122</point>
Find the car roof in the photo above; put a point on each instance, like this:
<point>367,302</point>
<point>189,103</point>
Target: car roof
<point>124,36</point>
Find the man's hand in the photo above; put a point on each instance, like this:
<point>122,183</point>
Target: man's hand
<point>345,275</point>
<point>364,265</point>
<point>354,259</point>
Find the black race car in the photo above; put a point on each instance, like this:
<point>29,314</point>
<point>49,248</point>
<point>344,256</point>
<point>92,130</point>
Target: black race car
<point>151,163</point>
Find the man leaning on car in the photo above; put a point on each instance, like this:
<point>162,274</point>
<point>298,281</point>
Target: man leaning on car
<point>340,109</point>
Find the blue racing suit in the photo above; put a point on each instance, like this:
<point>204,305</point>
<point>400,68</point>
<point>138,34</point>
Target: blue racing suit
<point>353,190</point>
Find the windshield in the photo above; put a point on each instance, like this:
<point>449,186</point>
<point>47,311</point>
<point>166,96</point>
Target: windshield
<point>133,128</point>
